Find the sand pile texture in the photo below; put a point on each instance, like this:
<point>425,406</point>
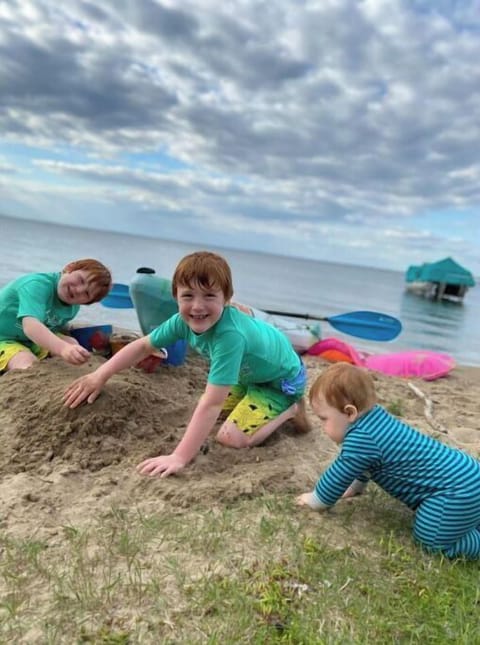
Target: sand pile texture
<point>61,466</point>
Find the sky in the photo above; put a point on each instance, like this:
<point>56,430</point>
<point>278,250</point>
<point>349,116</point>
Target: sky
<point>339,130</point>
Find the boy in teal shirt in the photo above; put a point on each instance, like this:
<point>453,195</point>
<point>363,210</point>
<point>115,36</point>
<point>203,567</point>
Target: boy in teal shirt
<point>255,374</point>
<point>36,307</point>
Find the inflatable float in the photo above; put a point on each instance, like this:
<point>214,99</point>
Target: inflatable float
<point>423,364</point>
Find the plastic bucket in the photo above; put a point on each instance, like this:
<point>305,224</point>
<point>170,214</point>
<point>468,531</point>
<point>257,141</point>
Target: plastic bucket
<point>176,353</point>
<point>119,340</point>
<point>93,337</point>
<point>151,363</point>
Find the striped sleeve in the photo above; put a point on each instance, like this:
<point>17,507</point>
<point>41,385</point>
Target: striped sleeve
<point>357,457</point>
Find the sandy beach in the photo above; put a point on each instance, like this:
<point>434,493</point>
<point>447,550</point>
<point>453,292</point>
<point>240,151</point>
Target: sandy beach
<point>66,467</point>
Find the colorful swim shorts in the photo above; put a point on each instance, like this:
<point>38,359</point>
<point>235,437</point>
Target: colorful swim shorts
<point>8,349</point>
<point>250,407</point>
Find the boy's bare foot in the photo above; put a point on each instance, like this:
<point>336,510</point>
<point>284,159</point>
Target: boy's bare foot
<point>300,420</point>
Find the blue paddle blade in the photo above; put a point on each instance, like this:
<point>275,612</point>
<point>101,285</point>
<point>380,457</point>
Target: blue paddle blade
<point>363,324</point>
<point>370,325</point>
<point>118,297</point>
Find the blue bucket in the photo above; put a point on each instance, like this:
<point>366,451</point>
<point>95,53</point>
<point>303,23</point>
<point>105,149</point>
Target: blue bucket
<point>176,353</point>
<point>84,335</point>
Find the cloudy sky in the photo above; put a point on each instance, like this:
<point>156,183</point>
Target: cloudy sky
<point>343,130</point>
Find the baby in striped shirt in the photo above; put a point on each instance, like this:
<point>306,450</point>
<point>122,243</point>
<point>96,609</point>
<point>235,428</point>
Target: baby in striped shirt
<point>439,483</point>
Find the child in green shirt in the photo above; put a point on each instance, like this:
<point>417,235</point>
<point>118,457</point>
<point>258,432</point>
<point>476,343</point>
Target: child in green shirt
<point>255,374</point>
<point>36,307</point>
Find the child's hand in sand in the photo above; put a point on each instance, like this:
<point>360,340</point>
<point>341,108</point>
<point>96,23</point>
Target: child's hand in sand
<point>84,388</point>
<point>309,499</point>
<point>163,465</point>
<point>74,354</point>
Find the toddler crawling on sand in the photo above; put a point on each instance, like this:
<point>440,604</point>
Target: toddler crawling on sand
<point>441,484</point>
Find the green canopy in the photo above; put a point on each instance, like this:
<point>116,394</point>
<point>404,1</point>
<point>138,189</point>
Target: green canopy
<point>446,271</point>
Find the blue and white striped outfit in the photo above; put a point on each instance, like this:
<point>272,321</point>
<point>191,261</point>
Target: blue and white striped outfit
<point>441,484</point>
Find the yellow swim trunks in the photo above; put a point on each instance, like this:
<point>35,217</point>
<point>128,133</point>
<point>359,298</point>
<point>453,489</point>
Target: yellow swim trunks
<point>8,349</point>
<point>250,408</point>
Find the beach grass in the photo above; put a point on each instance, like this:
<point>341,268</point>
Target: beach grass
<point>259,570</point>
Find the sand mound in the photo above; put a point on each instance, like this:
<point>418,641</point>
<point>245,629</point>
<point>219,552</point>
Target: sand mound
<point>59,466</point>
<point>134,415</point>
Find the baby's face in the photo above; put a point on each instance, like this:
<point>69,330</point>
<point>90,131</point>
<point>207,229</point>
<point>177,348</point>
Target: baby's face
<point>75,289</point>
<point>334,422</point>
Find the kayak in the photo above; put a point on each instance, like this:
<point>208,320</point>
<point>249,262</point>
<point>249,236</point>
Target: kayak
<point>302,336</point>
<point>152,298</point>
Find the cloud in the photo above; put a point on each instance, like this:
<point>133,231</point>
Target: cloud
<point>6,168</point>
<point>362,117</point>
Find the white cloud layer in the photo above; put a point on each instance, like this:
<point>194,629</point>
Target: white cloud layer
<point>337,129</point>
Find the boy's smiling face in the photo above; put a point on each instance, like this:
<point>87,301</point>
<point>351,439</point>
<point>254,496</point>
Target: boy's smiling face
<point>74,288</point>
<point>200,308</point>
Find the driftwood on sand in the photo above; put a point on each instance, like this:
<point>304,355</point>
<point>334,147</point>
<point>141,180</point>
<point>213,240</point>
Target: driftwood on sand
<point>428,410</point>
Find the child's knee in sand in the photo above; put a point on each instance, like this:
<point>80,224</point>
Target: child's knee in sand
<point>22,360</point>
<point>232,436</point>
<point>229,435</point>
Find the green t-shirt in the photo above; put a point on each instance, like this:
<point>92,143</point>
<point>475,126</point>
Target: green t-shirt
<point>241,349</point>
<point>35,295</point>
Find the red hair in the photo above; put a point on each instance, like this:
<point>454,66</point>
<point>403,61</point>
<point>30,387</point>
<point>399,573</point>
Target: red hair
<point>208,270</point>
<point>99,278</point>
<point>344,384</point>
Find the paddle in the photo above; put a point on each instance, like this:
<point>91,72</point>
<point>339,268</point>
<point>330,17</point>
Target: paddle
<point>118,297</point>
<point>363,324</point>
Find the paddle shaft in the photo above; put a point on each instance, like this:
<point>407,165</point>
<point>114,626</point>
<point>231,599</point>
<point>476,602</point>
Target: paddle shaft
<point>355,316</point>
<point>289,314</point>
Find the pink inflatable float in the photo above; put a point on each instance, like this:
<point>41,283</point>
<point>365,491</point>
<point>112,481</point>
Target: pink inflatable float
<point>423,364</point>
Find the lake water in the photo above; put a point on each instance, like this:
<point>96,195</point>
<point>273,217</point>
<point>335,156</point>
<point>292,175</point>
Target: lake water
<point>261,280</point>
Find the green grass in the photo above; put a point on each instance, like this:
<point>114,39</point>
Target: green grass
<point>396,408</point>
<point>257,571</point>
